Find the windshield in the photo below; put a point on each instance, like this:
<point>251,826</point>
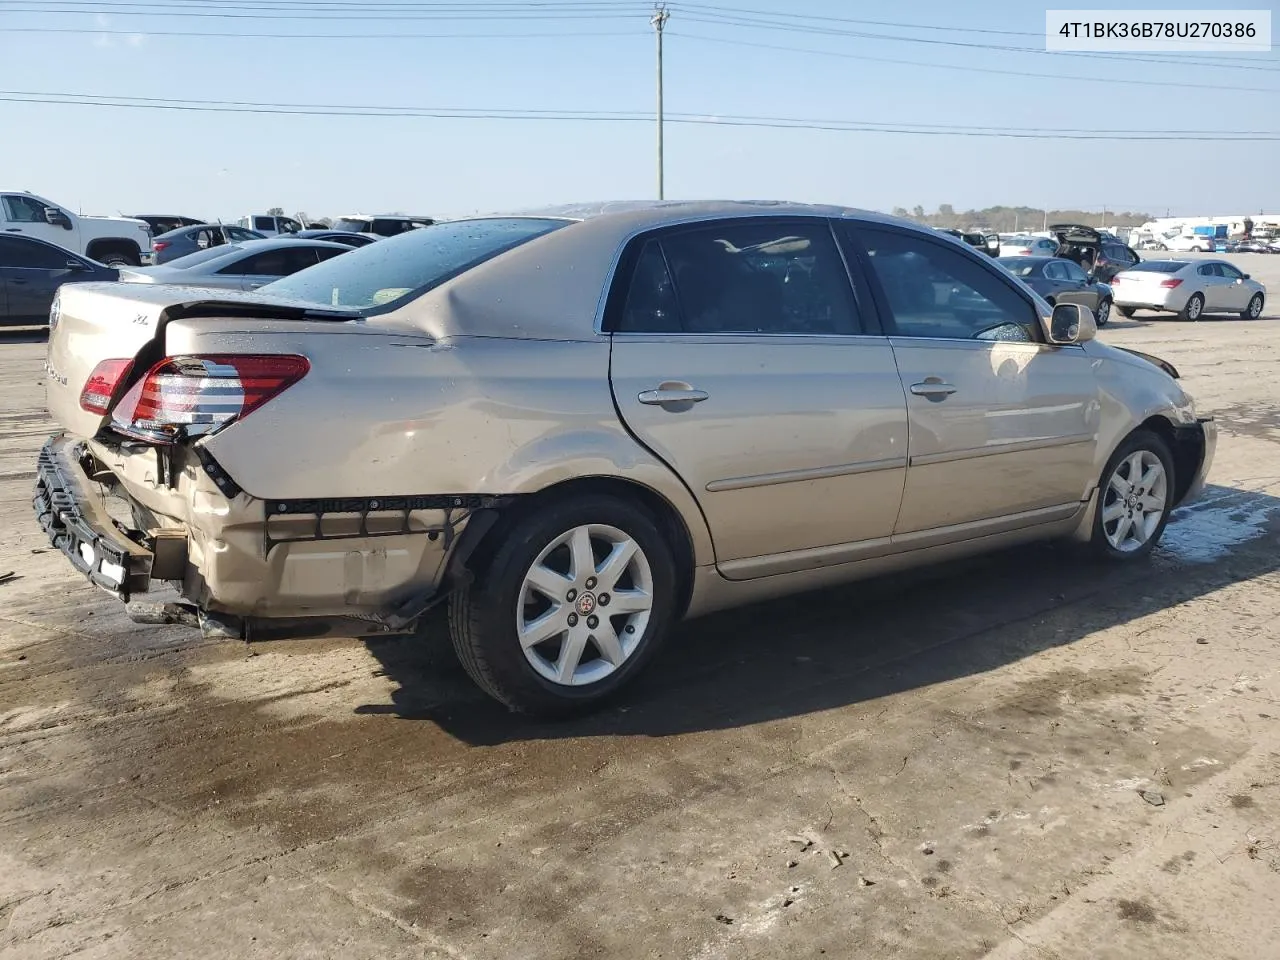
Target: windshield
<point>393,271</point>
<point>204,256</point>
<point>1157,266</point>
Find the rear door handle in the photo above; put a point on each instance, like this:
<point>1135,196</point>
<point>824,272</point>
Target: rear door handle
<point>933,389</point>
<point>672,392</point>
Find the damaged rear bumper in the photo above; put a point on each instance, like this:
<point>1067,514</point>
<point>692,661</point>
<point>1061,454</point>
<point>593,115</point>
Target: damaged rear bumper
<point>254,568</point>
<point>80,527</point>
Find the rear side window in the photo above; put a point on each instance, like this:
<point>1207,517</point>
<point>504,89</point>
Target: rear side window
<point>274,263</point>
<point>939,292</point>
<point>776,277</point>
<point>264,223</point>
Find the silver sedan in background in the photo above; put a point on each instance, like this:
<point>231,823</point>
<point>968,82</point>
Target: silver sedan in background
<point>239,266</point>
<point>1189,288</point>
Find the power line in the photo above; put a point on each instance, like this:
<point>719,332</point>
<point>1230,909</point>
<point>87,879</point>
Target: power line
<point>772,26</point>
<point>849,126</point>
<point>361,13</point>
<point>398,35</point>
<point>1037,75</point>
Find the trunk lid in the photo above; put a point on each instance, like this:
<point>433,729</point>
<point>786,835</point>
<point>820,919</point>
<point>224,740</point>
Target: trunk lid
<point>92,322</point>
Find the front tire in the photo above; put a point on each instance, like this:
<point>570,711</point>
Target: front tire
<point>1135,496</point>
<point>1254,310</point>
<point>1194,308</point>
<point>572,604</point>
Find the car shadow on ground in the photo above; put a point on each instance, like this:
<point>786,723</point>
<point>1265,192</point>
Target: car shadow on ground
<point>864,641</point>
<point>24,335</point>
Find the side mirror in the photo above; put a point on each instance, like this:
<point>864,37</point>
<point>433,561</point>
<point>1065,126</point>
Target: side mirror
<point>1071,323</point>
<point>1247,277</point>
<point>56,218</point>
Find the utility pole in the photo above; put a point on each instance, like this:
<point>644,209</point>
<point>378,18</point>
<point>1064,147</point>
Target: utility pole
<point>660,18</point>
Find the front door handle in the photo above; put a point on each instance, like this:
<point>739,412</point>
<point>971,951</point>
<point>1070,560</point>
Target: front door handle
<point>933,388</point>
<point>672,392</point>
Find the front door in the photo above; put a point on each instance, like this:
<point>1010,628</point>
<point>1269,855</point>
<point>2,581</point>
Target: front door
<point>1237,294</point>
<point>24,217</point>
<point>1003,426</point>
<point>33,272</point>
<point>740,358</point>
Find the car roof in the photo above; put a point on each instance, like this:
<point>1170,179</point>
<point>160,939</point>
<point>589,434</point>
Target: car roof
<point>553,286</point>
<point>386,216</point>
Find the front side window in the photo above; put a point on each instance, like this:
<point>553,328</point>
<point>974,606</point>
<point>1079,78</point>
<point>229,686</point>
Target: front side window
<point>394,271</point>
<point>938,292</point>
<point>20,209</point>
<point>27,254</point>
<point>780,277</point>
<point>1230,272</point>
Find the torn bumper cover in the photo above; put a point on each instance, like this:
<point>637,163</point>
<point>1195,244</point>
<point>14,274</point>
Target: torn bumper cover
<point>81,528</point>
<point>273,568</point>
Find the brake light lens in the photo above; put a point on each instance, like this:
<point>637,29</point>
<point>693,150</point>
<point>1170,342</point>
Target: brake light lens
<point>192,396</point>
<point>158,245</point>
<point>103,383</point>
<point>1170,283</point>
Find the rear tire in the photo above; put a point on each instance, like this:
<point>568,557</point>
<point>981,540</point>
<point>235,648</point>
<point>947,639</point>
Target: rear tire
<point>1193,309</point>
<point>1102,315</point>
<point>1135,497</point>
<point>1254,310</point>
<point>1127,312</point>
<point>598,624</point>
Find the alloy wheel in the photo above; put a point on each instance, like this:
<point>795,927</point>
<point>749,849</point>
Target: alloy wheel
<point>1134,501</point>
<point>584,605</point>
<point>1255,307</point>
<point>1104,313</point>
<point>1194,307</point>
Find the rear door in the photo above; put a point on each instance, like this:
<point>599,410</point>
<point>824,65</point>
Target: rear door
<point>741,357</point>
<point>1003,426</point>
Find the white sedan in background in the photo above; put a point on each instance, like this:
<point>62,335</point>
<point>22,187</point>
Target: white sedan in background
<point>1023,246</point>
<point>1189,288</point>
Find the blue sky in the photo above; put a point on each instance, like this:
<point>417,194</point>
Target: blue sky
<point>104,159</point>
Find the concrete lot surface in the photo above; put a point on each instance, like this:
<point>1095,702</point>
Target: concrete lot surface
<point>971,746</point>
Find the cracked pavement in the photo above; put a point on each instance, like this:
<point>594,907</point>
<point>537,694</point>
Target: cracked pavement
<point>972,741</point>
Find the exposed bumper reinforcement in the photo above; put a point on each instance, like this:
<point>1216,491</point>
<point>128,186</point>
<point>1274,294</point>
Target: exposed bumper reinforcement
<point>80,527</point>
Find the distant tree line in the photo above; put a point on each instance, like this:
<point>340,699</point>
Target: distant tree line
<point>1010,219</point>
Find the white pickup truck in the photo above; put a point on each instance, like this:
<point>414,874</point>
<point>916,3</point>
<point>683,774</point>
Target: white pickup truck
<point>115,241</point>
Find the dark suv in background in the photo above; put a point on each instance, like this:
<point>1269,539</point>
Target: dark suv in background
<point>1102,256</point>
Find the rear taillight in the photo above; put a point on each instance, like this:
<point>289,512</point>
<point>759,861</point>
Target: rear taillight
<point>1024,252</point>
<point>191,396</point>
<point>1170,283</point>
<point>158,245</point>
<point>102,385</point>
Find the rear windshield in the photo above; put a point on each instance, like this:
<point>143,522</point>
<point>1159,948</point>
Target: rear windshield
<point>350,226</point>
<point>1020,266</point>
<point>1157,266</point>
<point>394,271</point>
<point>203,256</point>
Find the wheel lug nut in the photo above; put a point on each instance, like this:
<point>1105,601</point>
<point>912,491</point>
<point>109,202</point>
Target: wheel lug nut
<point>571,596</point>
<point>573,619</point>
<point>603,599</point>
<point>591,582</point>
<point>593,622</point>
